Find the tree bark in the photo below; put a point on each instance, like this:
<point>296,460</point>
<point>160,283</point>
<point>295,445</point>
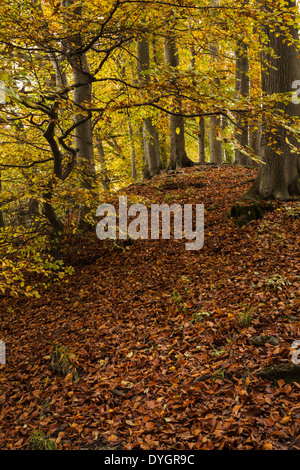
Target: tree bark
<point>150,136</point>
<point>278,178</point>
<point>242,90</point>
<point>201,140</point>
<point>84,132</point>
<point>2,223</point>
<point>255,142</point>
<point>215,145</point>
<point>82,98</point>
<point>178,156</point>
<point>133,153</point>
<point>103,175</point>
<point>201,128</point>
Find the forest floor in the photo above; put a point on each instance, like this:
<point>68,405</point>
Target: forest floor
<point>152,346</point>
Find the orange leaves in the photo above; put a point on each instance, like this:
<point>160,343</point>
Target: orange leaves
<point>267,446</point>
<point>151,375</point>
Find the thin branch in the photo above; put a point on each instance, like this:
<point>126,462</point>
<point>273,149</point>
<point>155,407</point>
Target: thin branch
<point>30,165</point>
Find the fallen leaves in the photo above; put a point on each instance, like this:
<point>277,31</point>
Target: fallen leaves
<point>155,336</point>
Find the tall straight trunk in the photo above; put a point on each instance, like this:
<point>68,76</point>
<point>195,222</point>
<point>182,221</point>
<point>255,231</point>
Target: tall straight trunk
<point>57,61</point>
<point>227,157</point>
<point>215,145</point>
<point>201,128</point>
<point>255,142</point>
<point>150,135</point>
<point>133,154</point>
<point>82,98</point>
<point>103,174</point>
<point>178,156</point>
<point>255,125</point>
<point>2,223</point>
<point>201,140</point>
<point>278,178</point>
<point>242,90</point>
<point>83,132</point>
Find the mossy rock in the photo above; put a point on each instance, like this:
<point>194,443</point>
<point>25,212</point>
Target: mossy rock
<point>261,340</point>
<point>244,214</point>
<point>288,372</point>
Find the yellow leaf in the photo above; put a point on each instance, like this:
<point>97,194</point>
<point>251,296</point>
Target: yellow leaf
<point>129,422</point>
<point>68,377</point>
<point>267,446</point>
<point>177,130</point>
<point>236,408</point>
<point>285,419</point>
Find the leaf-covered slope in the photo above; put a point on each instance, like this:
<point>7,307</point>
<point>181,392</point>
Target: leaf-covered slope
<point>150,346</point>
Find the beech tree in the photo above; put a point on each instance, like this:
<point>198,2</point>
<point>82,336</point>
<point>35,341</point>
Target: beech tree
<point>278,177</point>
<point>178,156</point>
<point>70,126</point>
<point>242,88</point>
<point>215,143</point>
<point>152,161</point>
<point>74,49</point>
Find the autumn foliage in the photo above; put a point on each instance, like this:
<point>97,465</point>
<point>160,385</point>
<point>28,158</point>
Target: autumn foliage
<point>142,344</point>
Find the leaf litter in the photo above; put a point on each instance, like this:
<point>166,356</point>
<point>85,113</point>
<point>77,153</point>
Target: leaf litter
<point>156,342</point>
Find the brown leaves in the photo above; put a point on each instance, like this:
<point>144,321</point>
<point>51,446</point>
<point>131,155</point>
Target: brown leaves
<point>155,369</point>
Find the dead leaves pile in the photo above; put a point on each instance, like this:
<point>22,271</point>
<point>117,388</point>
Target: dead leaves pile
<point>149,346</point>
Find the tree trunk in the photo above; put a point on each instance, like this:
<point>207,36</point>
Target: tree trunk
<point>150,135</point>
<point>2,223</point>
<point>84,131</point>
<point>215,145</point>
<point>82,98</point>
<point>278,178</point>
<point>201,140</point>
<point>133,154</point>
<point>255,142</point>
<point>242,90</point>
<point>104,177</point>
<point>201,128</point>
<point>178,157</point>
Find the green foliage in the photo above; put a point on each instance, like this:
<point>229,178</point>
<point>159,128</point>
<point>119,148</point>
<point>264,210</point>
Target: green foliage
<point>39,441</point>
<point>277,282</point>
<point>62,362</point>
<point>198,317</point>
<point>177,299</point>
<point>219,352</point>
<point>293,212</point>
<point>26,265</point>
<point>245,317</point>
<point>220,374</point>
